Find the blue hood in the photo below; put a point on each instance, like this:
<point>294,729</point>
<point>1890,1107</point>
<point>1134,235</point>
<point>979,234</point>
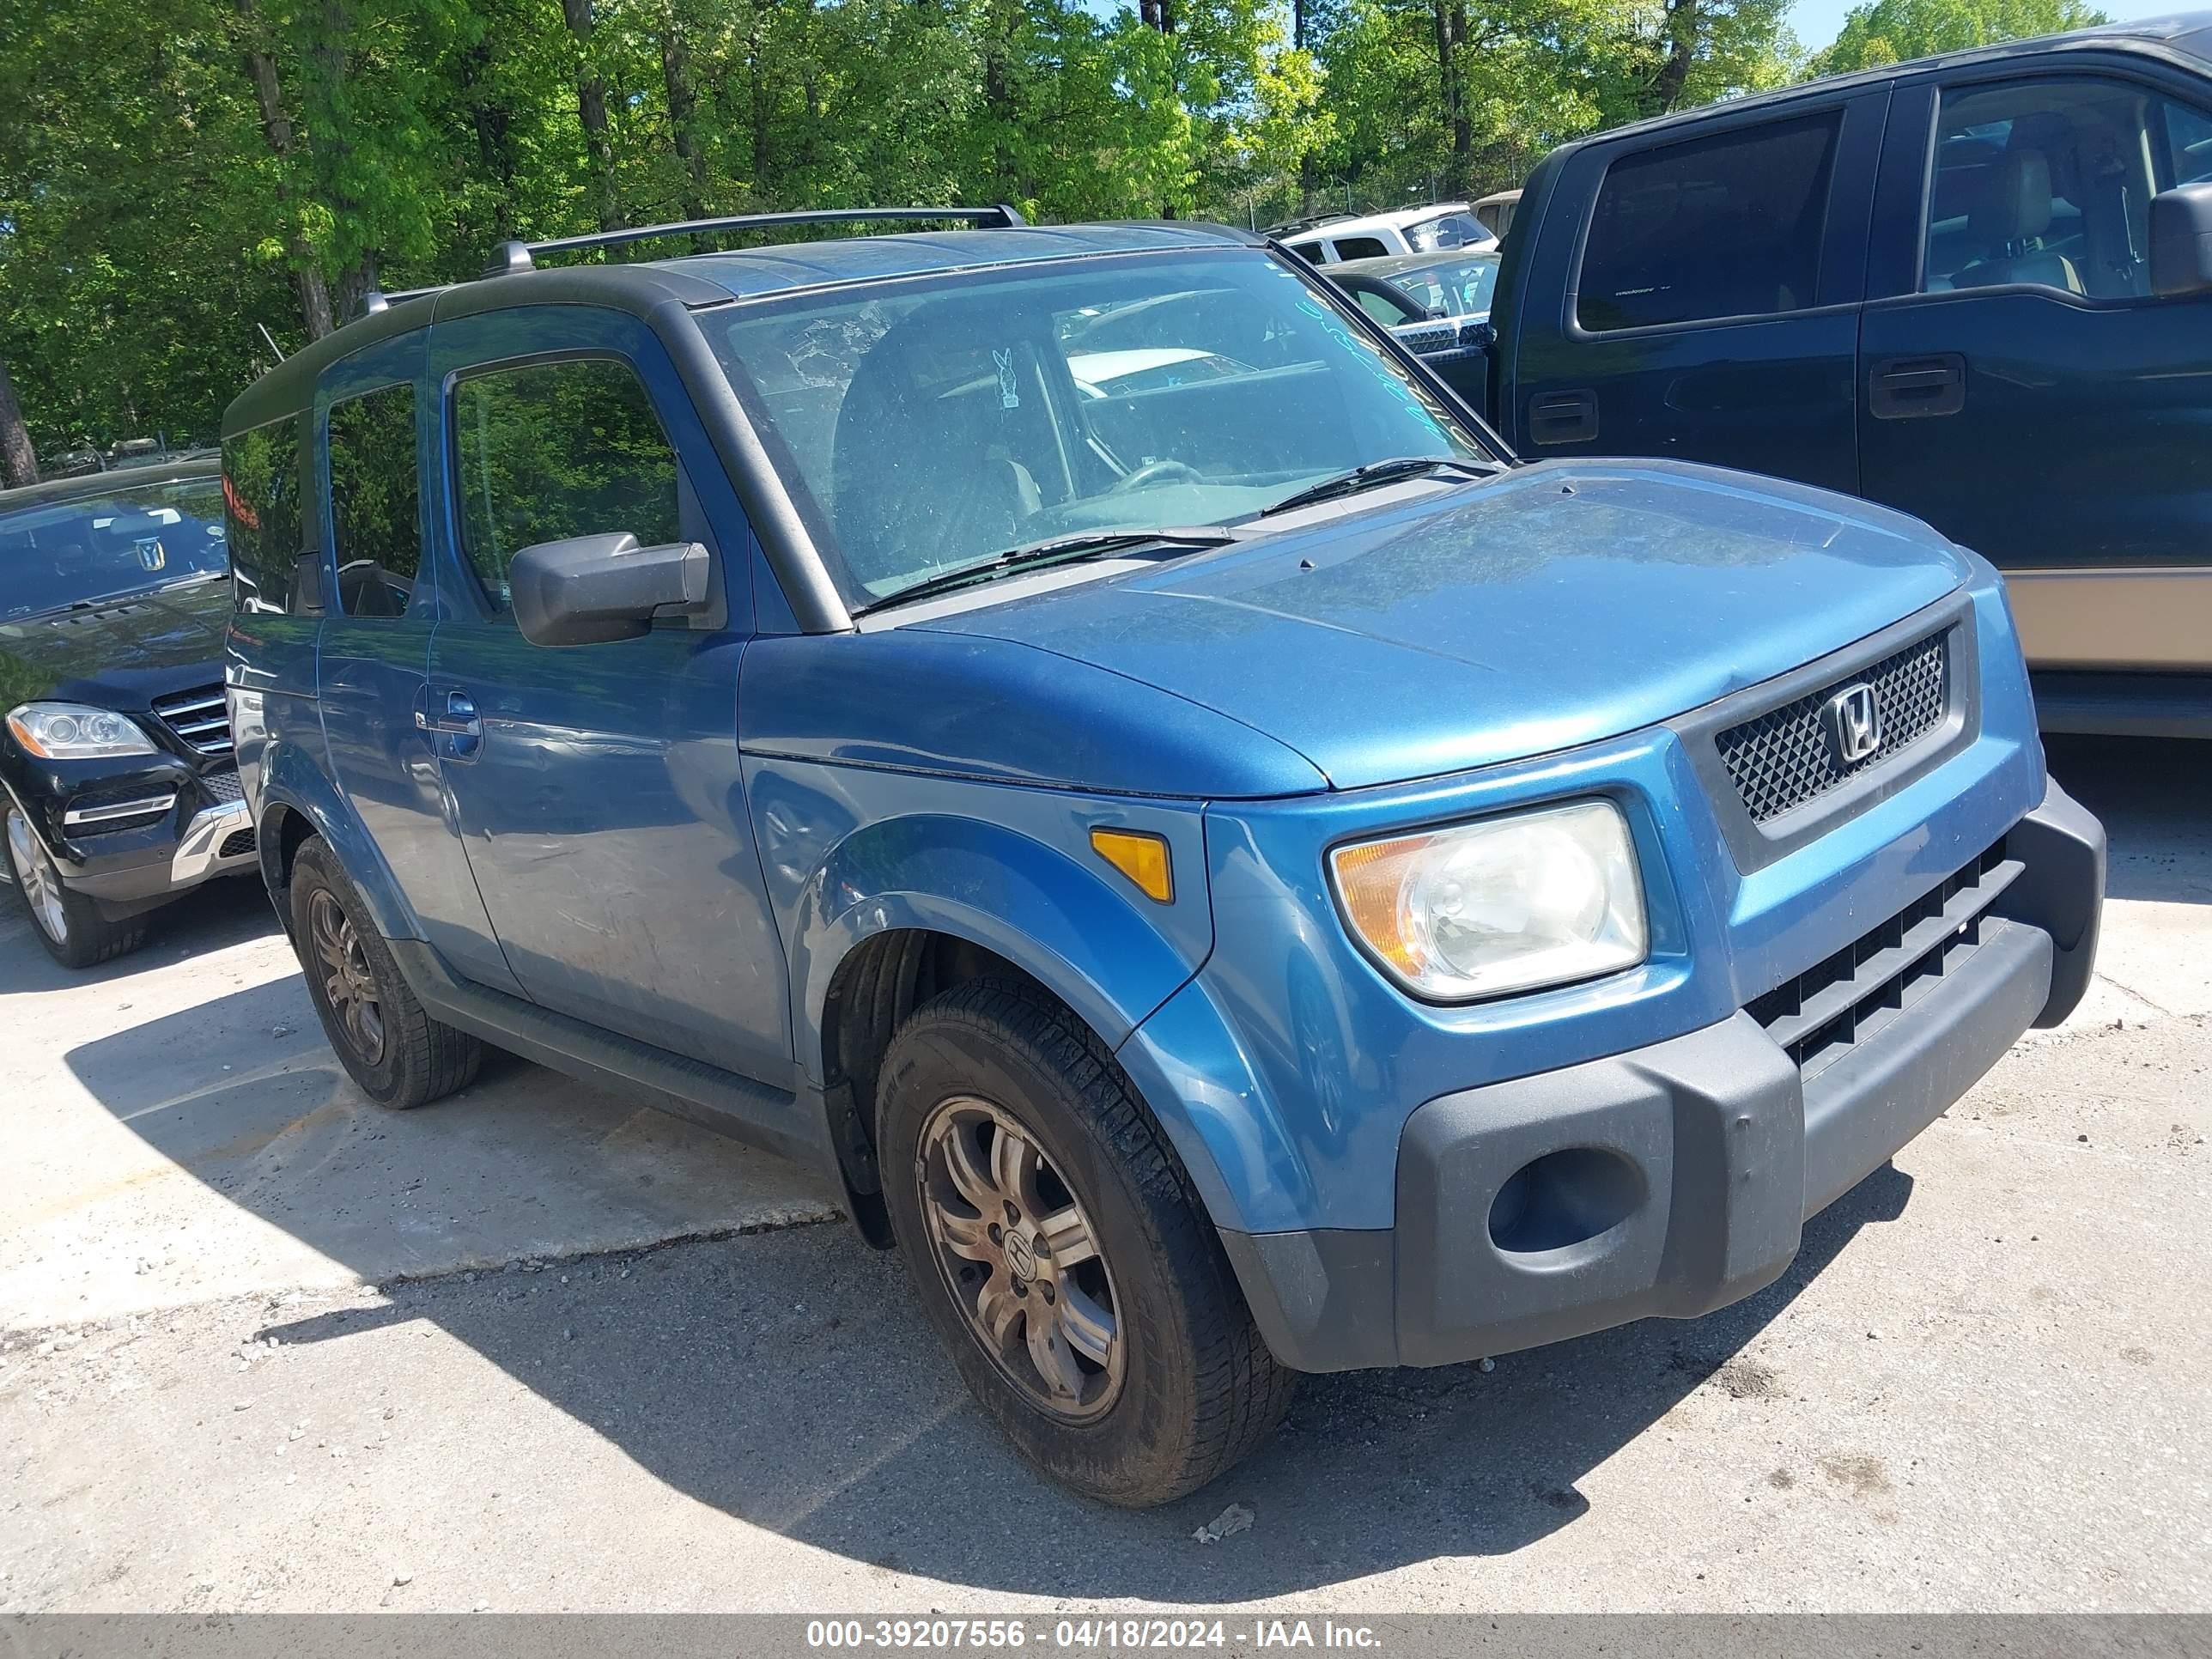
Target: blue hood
<point>1564,604</point>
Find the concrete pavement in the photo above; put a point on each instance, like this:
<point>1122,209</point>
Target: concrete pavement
<point>1982,1386</point>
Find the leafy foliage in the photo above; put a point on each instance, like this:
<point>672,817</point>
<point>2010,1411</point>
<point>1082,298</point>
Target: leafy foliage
<point>177,176</point>
<point>1895,31</point>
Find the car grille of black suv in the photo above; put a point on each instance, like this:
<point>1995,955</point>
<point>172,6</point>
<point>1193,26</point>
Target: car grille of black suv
<point>1785,757</point>
<point>1822,1013</point>
<point>199,716</point>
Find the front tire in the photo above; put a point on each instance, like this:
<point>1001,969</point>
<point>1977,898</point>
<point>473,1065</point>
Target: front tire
<point>1061,1254</point>
<point>395,1053</point>
<point>68,923</point>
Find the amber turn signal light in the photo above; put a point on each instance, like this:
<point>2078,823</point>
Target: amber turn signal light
<point>1142,858</point>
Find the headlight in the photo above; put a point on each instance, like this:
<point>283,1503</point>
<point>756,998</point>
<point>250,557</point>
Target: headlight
<point>70,731</point>
<point>1506,904</point>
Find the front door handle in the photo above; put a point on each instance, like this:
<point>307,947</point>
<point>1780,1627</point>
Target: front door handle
<point>1914,388</point>
<point>453,716</point>
<point>455,711</point>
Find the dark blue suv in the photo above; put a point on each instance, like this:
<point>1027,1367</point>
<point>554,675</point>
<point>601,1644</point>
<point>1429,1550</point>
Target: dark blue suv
<point>1072,733</point>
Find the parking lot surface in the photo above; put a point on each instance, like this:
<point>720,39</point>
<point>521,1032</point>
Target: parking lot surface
<point>541,1347</point>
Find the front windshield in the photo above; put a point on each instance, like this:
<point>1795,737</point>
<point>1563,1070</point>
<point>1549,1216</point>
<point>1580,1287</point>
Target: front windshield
<point>122,540</point>
<point>1450,288</point>
<point>932,424</point>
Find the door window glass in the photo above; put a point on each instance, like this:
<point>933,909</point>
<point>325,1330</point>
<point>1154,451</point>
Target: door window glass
<point>1726,226</point>
<point>2049,183</point>
<point>376,534</point>
<point>1358,247</point>
<point>2189,140</point>
<point>1384,309</point>
<point>547,451</point>
<point>261,508</point>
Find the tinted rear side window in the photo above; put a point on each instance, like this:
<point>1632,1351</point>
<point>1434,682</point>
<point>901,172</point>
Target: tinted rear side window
<point>261,504</point>
<point>1727,226</point>
<point>375,533</point>
<point>1359,248</point>
<point>547,451</point>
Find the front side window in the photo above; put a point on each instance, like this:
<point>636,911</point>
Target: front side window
<point>546,451</point>
<point>375,529</point>
<point>109,543</point>
<point>1451,288</point>
<point>926,425</point>
<point>261,504</point>
<point>1384,309</point>
<point>2188,144</point>
<point>1724,227</point>
<point>2049,183</point>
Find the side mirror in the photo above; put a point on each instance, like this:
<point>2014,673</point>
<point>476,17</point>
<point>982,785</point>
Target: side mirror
<point>587,589</point>
<point>2181,242</point>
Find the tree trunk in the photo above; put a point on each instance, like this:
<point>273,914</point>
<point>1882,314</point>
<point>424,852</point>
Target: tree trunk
<point>19,460</point>
<point>1309,164</point>
<point>1451,85</point>
<point>1683,20</point>
<point>277,126</point>
<point>683,113</point>
<point>494,129</point>
<point>999,104</point>
<point>592,112</point>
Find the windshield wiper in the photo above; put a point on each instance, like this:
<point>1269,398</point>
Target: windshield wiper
<point>1375,474</point>
<point>1052,550</point>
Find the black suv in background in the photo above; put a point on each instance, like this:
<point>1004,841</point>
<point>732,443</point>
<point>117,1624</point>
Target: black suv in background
<point>1975,288</point>
<point>115,755</point>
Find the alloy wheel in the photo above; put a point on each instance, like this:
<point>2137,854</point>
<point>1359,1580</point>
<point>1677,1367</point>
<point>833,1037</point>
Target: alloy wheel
<point>41,884</point>
<point>347,985</point>
<point>1021,1259</point>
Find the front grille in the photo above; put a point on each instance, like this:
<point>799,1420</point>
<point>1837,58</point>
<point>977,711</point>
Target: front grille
<point>197,716</point>
<point>223,786</point>
<point>1784,758</point>
<point>1836,1005</point>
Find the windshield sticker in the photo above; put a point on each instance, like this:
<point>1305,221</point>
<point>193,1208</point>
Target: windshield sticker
<point>1008,397</point>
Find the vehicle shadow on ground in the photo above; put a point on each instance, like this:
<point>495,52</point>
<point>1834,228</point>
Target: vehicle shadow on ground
<point>2155,796</point>
<point>222,913</point>
<point>788,1381</point>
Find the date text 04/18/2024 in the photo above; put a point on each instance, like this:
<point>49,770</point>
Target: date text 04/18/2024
<point>1086,1635</point>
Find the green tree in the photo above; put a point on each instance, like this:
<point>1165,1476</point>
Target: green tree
<point>1896,31</point>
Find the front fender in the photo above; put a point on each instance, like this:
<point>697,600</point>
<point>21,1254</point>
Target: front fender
<point>290,780</point>
<point>1077,931</point>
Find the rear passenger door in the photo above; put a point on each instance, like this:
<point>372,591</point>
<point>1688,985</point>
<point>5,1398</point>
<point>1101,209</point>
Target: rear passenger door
<point>380,605</point>
<point>597,787</point>
<point>2026,393</point>
<point>1708,310</point>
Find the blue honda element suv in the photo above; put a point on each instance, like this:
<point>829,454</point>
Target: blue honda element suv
<point>1074,735</point>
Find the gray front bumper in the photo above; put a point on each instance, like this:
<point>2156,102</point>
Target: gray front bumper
<point>1675,1179</point>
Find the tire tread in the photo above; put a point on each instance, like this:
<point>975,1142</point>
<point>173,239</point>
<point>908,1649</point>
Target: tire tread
<point>1241,1392</point>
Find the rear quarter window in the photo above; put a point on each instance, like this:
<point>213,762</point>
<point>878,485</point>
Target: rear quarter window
<point>261,508</point>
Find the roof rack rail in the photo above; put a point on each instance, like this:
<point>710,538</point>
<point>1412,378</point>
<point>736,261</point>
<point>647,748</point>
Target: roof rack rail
<point>377,300</point>
<point>511,256</point>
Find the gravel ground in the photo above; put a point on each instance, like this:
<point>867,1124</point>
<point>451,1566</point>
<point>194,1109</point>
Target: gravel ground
<point>263,1347</point>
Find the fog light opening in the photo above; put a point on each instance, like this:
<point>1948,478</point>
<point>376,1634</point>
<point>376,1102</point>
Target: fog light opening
<point>1564,1198</point>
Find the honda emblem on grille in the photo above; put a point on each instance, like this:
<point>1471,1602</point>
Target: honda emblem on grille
<point>1854,721</point>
